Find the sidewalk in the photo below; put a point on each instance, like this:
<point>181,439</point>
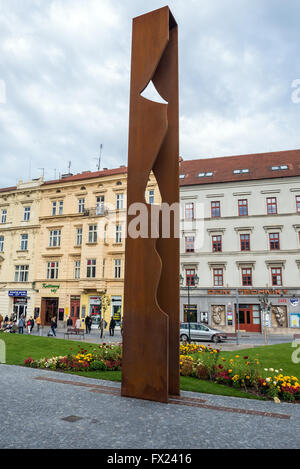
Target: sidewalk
<point>246,340</point>
<point>67,411</point>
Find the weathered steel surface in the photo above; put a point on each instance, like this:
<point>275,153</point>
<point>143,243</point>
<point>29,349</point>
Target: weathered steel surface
<point>151,304</point>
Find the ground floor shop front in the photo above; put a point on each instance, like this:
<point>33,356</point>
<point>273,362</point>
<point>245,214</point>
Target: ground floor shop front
<point>231,309</point>
<point>65,303</point>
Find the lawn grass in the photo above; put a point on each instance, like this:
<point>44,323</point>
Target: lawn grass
<point>20,347</point>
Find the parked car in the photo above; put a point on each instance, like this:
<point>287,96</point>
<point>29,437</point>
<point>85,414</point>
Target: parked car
<point>201,332</point>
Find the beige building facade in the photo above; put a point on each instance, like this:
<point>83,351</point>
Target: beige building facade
<point>19,228</point>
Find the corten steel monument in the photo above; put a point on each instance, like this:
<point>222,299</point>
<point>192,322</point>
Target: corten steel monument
<point>150,367</point>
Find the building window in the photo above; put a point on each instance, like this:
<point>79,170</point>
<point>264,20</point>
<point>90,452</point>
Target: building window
<point>54,208</point>
<point>218,277</point>
<point>117,268</point>
<point>79,237</point>
<point>246,277</point>
<point>80,205</point>
<point>271,206</point>
<point>298,203</point>
<point>21,273</point>
<point>60,207</point>
<point>55,236</point>
<point>217,243</point>
<point>26,213</point>
<point>245,242</point>
<point>77,270</point>
<point>243,207</point>
<point>1,243</point>
<point>24,242</point>
<point>92,237</point>
<point>100,205</point>
<point>274,241</point>
<point>151,197</point>
<point>189,211</point>
<point>3,216</point>
<point>52,270</point>
<point>118,233</point>
<point>91,268</point>
<point>120,200</point>
<point>276,274</point>
<point>190,277</point>
<point>189,244</point>
<point>215,209</point>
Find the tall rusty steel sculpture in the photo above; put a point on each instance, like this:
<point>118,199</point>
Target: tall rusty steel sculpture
<point>151,304</point>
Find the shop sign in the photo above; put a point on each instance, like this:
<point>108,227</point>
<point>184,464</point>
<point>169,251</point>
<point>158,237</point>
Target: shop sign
<point>294,301</point>
<point>53,288</point>
<point>17,292</point>
<point>249,292</point>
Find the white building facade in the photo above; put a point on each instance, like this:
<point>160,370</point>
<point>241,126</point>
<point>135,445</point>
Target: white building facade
<point>240,235</point>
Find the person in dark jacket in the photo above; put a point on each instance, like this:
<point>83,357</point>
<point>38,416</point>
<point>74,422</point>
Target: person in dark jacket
<point>69,322</point>
<point>112,326</point>
<point>53,325</point>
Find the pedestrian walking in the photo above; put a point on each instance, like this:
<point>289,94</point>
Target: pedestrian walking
<point>38,323</point>
<point>121,326</point>
<point>32,324</point>
<point>112,326</point>
<point>78,323</point>
<point>21,325</point>
<point>28,325</point>
<point>87,324</point>
<point>53,325</point>
<point>102,326</point>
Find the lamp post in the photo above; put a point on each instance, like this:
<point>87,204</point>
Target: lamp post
<point>266,306</point>
<point>190,282</point>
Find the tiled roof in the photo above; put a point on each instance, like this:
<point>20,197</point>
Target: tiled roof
<point>89,175</point>
<point>240,168</point>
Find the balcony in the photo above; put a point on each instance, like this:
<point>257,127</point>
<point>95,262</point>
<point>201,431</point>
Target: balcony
<point>92,284</point>
<point>98,211</point>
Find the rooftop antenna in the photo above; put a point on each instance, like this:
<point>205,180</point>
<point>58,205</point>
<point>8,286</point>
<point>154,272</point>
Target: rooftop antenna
<point>99,159</point>
<point>69,167</point>
<point>43,169</point>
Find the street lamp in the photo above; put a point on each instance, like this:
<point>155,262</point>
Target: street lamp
<point>266,306</point>
<point>191,281</point>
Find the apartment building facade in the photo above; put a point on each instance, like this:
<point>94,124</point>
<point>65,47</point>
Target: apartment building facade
<point>81,248</point>
<point>240,241</point>
<point>19,227</point>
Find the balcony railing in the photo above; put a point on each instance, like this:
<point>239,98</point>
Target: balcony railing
<point>98,211</point>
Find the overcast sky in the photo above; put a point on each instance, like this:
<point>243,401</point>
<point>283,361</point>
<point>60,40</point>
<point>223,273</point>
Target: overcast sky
<point>65,76</point>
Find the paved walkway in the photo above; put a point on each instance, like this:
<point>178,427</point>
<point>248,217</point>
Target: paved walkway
<point>46,409</point>
<point>247,340</point>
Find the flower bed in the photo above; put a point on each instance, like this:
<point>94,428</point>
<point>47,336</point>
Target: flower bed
<point>239,372</point>
<point>105,357</point>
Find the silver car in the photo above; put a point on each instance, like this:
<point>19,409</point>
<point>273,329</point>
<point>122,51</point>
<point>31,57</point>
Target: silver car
<point>200,332</point>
